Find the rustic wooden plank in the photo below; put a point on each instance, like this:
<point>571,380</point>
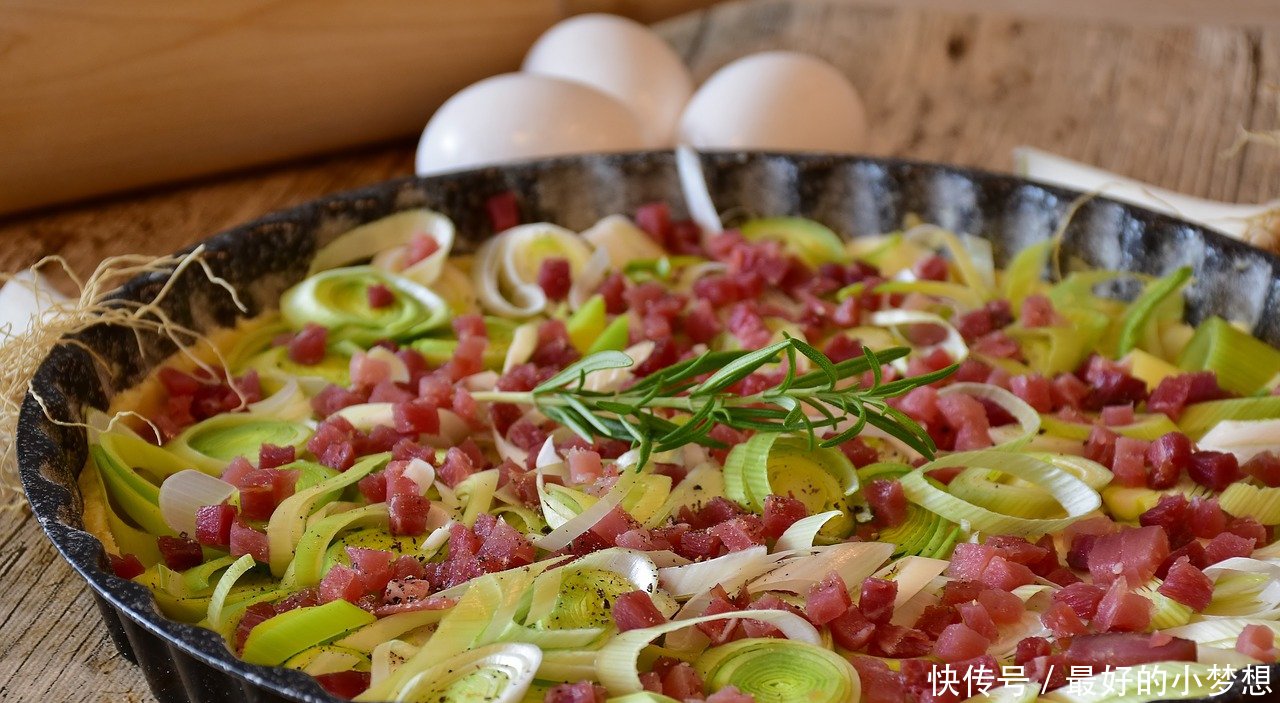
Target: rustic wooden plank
<point>1157,103</point>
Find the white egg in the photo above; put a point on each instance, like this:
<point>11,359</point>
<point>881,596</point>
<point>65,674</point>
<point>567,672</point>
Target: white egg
<point>777,100</point>
<point>518,116</point>
<point>623,58</point>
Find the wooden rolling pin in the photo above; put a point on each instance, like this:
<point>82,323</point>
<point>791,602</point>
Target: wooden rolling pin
<point>99,96</point>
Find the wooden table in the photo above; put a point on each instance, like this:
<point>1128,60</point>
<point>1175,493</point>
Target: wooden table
<point>1157,100</point>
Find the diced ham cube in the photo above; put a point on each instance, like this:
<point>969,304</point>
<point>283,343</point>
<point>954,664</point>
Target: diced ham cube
<point>555,277</point>
<point>1227,545</point>
<point>1121,610</point>
<point>730,694</point>
<point>1035,390</point>
<point>1257,641</point>
<point>1205,518</point>
<point>780,512</point>
<point>739,533</point>
<point>503,210</point>
<point>958,642</point>
<point>960,591</point>
<point>1029,648</point>
<point>1128,461</point>
<point>1134,553</point>
<point>1187,585</point>
<point>408,514</point>
<point>681,682</point>
<point>213,525</point>
<point>246,540</point>
<point>308,346</point>
<point>416,417</point>
<point>880,684</point>
<point>969,560</point>
<point>976,618</point>
<point>888,502</point>
<point>1249,528</point>
<point>1037,311</point>
<point>1214,470</point>
<point>580,692</point>
<point>180,553</point>
<point>1083,598</point>
<point>876,599</point>
<point>503,547</point>
<point>421,245</point>
<point>852,630</point>
<point>1005,575</point>
<point>635,610</point>
<point>1004,607</point>
<point>1113,649</point>
<point>344,684</point>
<point>827,600</point>
<point>1063,621</point>
<point>1174,393</point>
<point>584,466</point>
<point>897,641</point>
<point>1168,457</point>
<point>455,468</point>
<point>614,523</point>
<point>935,618</point>
<point>127,566</point>
<point>271,456</point>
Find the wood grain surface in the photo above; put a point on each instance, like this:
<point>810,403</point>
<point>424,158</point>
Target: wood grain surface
<point>1157,101</point>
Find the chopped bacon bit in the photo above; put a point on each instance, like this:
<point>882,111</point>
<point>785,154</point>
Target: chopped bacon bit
<point>127,566</point>
<point>308,346</point>
<point>379,296</point>
<point>213,525</point>
<point>503,210</point>
<point>780,513</point>
<point>555,277</point>
<point>1214,470</point>
<point>635,610</point>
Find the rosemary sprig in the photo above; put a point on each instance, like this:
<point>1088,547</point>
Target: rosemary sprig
<point>807,402</point>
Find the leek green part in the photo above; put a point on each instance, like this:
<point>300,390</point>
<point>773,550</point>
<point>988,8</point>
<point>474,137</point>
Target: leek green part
<point>813,242</point>
<point>136,496</point>
<point>289,521</point>
<point>211,444</point>
<point>1149,426</point>
<point>780,671</point>
<point>924,533</point>
<point>277,639</point>
<point>338,299</point>
<point>613,337</point>
<point>498,330</point>
<point>1244,364</point>
<point>309,555</point>
<point>1259,503</point>
<point>1129,502</point>
<point>138,454</point>
<point>1025,271</point>
<point>587,323</point>
<point>1135,324</point>
<point>586,599</point>
<point>328,659</point>
<point>1199,418</point>
<point>334,368</point>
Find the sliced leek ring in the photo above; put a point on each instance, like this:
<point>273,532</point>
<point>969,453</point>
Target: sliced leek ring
<point>338,300</point>
<point>780,671</point>
<point>211,444</point>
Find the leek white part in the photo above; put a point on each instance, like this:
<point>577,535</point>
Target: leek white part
<point>366,416</point>
<point>613,379</point>
<point>399,372</point>
<point>498,673</point>
<point>506,267</point>
<point>507,450</point>
<point>387,657</point>
<point>853,561</point>
<point>1244,438</point>
<point>697,197</point>
<point>801,533</point>
<point>561,536</point>
<point>523,342</point>
<point>954,343</point>
<point>635,566</point>
<point>383,240</point>
<point>1246,500</point>
<point>616,662</point>
<point>1074,495</point>
<point>185,492</point>
<point>731,570</point>
<point>622,241</point>
<point>913,574</point>
<point>1244,587</point>
<point>1027,417</point>
<point>588,280</point>
<point>1230,218</point>
<point>422,473</point>
<point>287,403</point>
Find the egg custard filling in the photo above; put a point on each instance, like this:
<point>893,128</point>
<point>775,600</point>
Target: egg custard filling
<point>644,463</point>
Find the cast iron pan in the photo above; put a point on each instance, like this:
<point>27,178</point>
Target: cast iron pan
<point>855,196</point>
